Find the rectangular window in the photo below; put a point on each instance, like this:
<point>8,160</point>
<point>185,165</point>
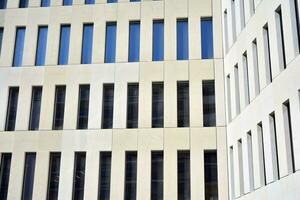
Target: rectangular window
<point>132,105</point>
<point>64,44</point>
<point>226,42</point>
<point>135,0</point>
<point>209,103</point>
<point>241,166</point>
<point>23,3</point>
<point>35,111</point>
<point>267,53</point>
<point>252,7</point>
<point>296,7</point>
<point>3,4</point>
<point>211,174</point>
<point>112,1</point>
<point>232,185</point>
<point>233,19</point>
<point>110,42</point>
<point>19,46</point>
<point>183,175</point>
<point>89,1</point>
<point>228,97</point>
<point>107,106</point>
<point>59,108</point>
<point>255,67</point>
<point>280,37</point>
<point>158,40</point>
<point>4,174</point>
<point>157,105</point>
<point>246,78</point>
<point>261,154</point>
<point>41,46</point>
<point>1,37</point>
<point>12,105</point>
<point>242,14</point>
<point>28,178</point>
<point>157,175</point>
<point>250,160</point>
<point>207,44</point>
<point>45,3</point>
<point>53,176</point>
<point>237,89</point>
<point>87,44</point>
<point>130,175</point>
<point>182,39</point>
<point>134,41</point>
<point>105,174</point>
<point>79,176</point>
<point>67,2</point>
<point>274,146</point>
<point>183,104</point>
<point>83,107</point>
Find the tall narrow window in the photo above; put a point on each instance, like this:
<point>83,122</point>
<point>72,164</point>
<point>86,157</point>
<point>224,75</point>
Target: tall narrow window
<point>64,43</point>
<point>250,160</point>
<point>246,78</point>
<point>158,40</point>
<point>207,44</point>
<point>183,175</point>
<point>183,104</point>
<point>267,53</point>
<point>252,7</point>
<point>87,44</point>
<point>105,173</point>
<point>112,1</point>
<point>53,176</point>
<point>242,13</point>
<point>110,42</point>
<point>3,4</point>
<point>228,97</point>
<point>157,105</point>
<point>23,3</point>
<point>28,178</point>
<point>255,67</point>
<point>130,175</point>
<point>237,89</point>
<point>89,1</point>
<point>4,174</point>
<point>226,42</point>
<point>182,39</point>
<point>35,108</point>
<point>19,46</point>
<point>41,46</point>
<point>79,176</point>
<point>59,107</point>
<point>45,3</point>
<point>107,106</point>
<point>134,41</point>
<point>241,166</point>
<point>211,174</point>
<point>1,38</point>
<point>232,185</point>
<point>280,36</point>
<point>83,107</point>
<point>132,105</point>
<point>209,103</point>
<point>274,146</point>
<point>296,6</point>
<point>67,2</point>
<point>12,105</point>
<point>157,175</point>
<point>233,20</point>
<point>261,154</point>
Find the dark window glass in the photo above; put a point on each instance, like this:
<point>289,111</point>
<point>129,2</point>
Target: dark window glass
<point>134,41</point>
<point>12,106</point>
<point>209,104</point>
<point>158,40</point>
<point>183,175</point>
<point>157,175</point>
<point>35,108</point>
<point>23,4</point>
<point>19,46</point>
<point>89,1</point>
<point>59,107</point>
<point>211,174</point>
<point>183,107</point>
<point>157,105</point>
<point>105,173</point>
<point>45,3</point>
<point>107,106</point>
<point>279,24</point>
<point>132,105</point>
<point>135,0</point>
<point>130,175</point>
<point>4,174</point>
<point>53,177</point>
<point>83,107</point>
<point>28,178</point>
<point>207,45</point>
<point>110,42</point>
<point>87,44</point>
<point>67,2</point>
<point>112,1</point>
<point>1,37</point>
<point>3,4</point>
<point>182,39</point>
<point>79,176</point>
<point>41,46</point>
<point>64,44</point>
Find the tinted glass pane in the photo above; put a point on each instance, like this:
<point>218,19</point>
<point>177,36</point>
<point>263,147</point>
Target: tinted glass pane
<point>83,107</point>
<point>87,44</point>
<point>59,107</point>
<point>211,174</point>
<point>157,105</point>
<point>1,38</point>
<point>135,0</point>
<point>110,42</point>
<point>112,1</point>
<point>183,175</point>
<point>89,1</point>
<point>105,173</point>
<point>182,39</point>
<point>157,175</point>
<point>45,3</point>
<point>23,4</point>
<point>64,45</point>
<point>67,2</point>
<point>79,176</point>
<point>12,106</point>
<point>209,106</point>
<point>4,174</point>
<point>134,42</point>
<point>53,179</point>
<point>107,106</point>
<point>28,179</point>
<point>41,46</point>
<point>19,46</point>
<point>132,105</point>
<point>183,104</point>
<point>3,4</point>
<point>207,47</point>
<point>158,40</point>
<point>130,175</point>
<point>35,108</point>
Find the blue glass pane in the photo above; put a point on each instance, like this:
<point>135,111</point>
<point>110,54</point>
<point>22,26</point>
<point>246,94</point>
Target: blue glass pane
<point>3,4</point>
<point>41,46</point>
<point>158,40</point>
<point>23,4</point>
<point>45,3</point>
<point>182,40</point>
<point>110,42</point>
<point>207,39</point>
<point>28,179</point>
<point>19,46</point>
<point>134,42</point>
<point>112,1</point>
<point>67,2</point>
<point>89,1</point>
<point>135,0</point>
<point>1,38</point>
<point>64,45</point>
<point>87,44</point>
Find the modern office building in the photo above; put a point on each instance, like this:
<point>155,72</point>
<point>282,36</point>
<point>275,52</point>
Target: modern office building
<point>121,99</point>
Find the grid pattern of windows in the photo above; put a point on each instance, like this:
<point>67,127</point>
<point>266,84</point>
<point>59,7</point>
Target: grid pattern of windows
<point>130,175</point>
<point>35,108</point>
<point>59,108</point>
<point>28,179</point>
<point>53,177</point>
<point>4,174</point>
<point>132,105</point>
<point>12,105</point>
<point>79,176</point>
<point>41,46</point>
<point>83,107</point>
<point>105,174</point>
